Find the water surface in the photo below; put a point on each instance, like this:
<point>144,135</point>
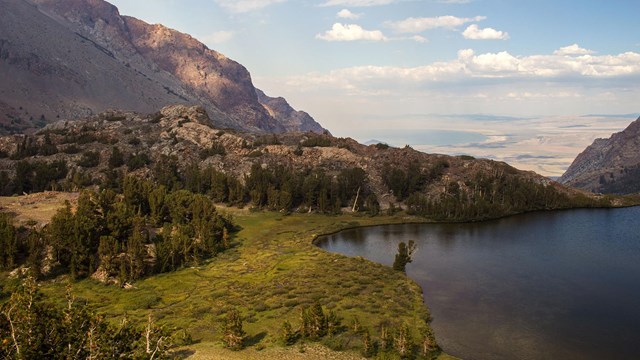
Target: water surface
<point>547,285</point>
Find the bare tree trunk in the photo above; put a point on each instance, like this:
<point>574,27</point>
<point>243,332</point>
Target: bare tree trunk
<point>13,330</point>
<point>355,203</point>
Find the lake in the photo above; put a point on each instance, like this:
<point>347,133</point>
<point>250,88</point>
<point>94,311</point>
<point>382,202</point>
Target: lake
<point>546,285</point>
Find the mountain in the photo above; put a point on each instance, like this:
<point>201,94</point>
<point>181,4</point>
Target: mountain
<point>610,166</point>
<point>67,59</point>
<point>178,147</point>
<point>280,110</point>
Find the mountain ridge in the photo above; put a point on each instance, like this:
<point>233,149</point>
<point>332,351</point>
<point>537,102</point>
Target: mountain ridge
<point>74,58</point>
<point>609,165</point>
<point>304,168</point>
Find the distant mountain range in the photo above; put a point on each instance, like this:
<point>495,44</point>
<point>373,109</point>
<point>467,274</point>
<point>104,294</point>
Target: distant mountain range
<point>67,59</point>
<point>608,165</point>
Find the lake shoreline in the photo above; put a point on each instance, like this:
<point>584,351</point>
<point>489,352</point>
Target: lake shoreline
<point>507,247</point>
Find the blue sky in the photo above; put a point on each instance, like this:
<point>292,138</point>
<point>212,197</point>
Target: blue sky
<point>505,70</point>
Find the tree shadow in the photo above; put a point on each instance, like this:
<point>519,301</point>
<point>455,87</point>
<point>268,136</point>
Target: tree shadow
<point>182,354</point>
<point>255,339</point>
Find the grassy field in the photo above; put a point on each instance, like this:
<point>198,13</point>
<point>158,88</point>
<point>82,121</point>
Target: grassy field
<point>272,270</point>
<point>35,208</point>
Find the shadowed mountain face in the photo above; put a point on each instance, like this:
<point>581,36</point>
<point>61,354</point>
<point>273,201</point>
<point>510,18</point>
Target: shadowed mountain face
<point>608,165</point>
<point>73,58</point>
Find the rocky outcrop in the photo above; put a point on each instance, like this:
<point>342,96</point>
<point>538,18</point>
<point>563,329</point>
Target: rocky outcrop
<point>73,58</point>
<point>608,165</point>
<point>280,109</point>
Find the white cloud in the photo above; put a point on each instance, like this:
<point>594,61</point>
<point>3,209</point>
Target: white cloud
<point>346,14</point>
<point>217,37</point>
<point>416,25</point>
<point>501,67</point>
<point>357,3</point>
<point>454,1</point>
<point>241,6</point>
<point>420,39</point>
<point>572,50</point>
<point>351,32</point>
<point>473,32</point>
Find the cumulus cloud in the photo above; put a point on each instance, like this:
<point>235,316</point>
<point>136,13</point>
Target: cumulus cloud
<point>217,37</point>
<point>346,14</point>
<point>351,32</point>
<point>416,25</point>
<point>241,6</point>
<point>572,50</point>
<point>473,32</point>
<point>357,3</point>
<point>501,67</point>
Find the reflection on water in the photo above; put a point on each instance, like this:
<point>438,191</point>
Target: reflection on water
<point>536,286</point>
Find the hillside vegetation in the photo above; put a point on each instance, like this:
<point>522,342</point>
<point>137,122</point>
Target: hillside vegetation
<point>178,149</point>
<point>269,274</point>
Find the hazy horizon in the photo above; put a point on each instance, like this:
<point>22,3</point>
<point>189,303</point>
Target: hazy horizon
<point>516,79</point>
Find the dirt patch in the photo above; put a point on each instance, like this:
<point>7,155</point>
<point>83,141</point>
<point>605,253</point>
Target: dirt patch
<point>210,351</point>
<point>36,209</point>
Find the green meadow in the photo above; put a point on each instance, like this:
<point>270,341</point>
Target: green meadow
<point>271,271</point>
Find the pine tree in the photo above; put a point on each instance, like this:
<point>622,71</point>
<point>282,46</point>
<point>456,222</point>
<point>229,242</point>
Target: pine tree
<point>34,259</point>
<point>385,341</point>
<point>368,350</point>
<point>305,323</point>
<point>116,159</point>
<point>333,323</point>
<point>136,249</point>
<point>428,345</point>
<point>317,321</point>
<point>8,242</point>
<point>403,257</point>
<point>288,336</point>
<point>233,334</point>
<point>402,342</point>
<point>372,205</point>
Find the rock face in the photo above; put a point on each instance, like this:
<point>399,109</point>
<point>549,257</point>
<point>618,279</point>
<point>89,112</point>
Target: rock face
<point>73,58</point>
<point>610,166</point>
<point>280,109</point>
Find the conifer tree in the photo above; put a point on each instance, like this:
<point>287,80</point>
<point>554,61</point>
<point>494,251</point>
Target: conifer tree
<point>233,334</point>
<point>368,349</point>
<point>116,159</point>
<point>136,249</point>
<point>403,257</point>
<point>317,321</point>
<point>402,342</point>
<point>288,336</point>
<point>385,340</point>
<point>8,242</point>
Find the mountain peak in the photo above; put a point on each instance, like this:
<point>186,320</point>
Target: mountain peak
<point>74,58</point>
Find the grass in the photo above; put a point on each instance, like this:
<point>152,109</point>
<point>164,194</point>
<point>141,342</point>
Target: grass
<point>271,271</point>
<point>35,209</point>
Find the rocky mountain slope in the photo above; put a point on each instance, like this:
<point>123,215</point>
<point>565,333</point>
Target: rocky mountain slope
<point>66,59</point>
<point>73,154</point>
<point>608,165</point>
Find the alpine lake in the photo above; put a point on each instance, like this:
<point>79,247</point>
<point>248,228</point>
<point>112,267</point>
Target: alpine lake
<point>544,285</point>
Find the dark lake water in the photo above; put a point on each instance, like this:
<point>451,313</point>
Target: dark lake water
<point>549,285</point>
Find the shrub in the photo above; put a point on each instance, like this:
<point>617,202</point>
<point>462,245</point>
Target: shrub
<point>89,159</point>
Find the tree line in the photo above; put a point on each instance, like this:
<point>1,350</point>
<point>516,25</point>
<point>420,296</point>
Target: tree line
<point>142,230</point>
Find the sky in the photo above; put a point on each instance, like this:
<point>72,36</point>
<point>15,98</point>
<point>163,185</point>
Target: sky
<point>531,83</point>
